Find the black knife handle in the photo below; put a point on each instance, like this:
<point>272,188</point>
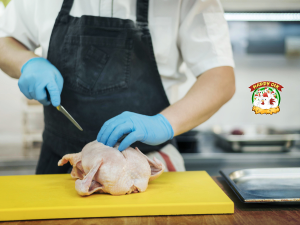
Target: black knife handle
<point>48,95</point>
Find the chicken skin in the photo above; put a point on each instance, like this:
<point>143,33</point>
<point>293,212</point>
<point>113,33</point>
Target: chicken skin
<point>103,169</point>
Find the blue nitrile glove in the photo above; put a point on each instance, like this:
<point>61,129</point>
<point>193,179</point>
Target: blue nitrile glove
<point>37,74</point>
<point>152,130</point>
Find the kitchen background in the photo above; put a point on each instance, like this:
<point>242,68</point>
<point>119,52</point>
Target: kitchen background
<point>265,37</point>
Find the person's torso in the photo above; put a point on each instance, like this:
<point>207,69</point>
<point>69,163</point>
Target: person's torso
<point>108,66</point>
<point>164,20</point>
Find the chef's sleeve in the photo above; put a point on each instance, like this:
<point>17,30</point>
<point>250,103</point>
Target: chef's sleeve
<point>17,21</point>
<point>203,36</point>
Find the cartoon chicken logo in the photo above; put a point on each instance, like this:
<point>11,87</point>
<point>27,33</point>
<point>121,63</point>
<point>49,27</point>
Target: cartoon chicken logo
<point>266,97</point>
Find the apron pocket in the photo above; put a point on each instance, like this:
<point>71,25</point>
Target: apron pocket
<point>100,64</point>
<point>89,65</point>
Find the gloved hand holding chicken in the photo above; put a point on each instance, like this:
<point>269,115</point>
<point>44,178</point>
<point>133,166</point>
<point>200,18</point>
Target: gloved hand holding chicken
<point>151,130</point>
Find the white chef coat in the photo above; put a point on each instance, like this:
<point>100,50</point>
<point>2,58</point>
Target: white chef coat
<point>190,31</point>
<point>1,8</point>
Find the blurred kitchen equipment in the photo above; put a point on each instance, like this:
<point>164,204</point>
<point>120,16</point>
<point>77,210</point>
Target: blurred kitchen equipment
<point>256,143</point>
<point>255,139</point>
<point>292,46</point>
<point>265,37</point>
<point>274,185</point>
<point>264,30</point>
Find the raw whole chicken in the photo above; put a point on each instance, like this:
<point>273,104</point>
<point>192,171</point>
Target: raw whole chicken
<point>103,169</point>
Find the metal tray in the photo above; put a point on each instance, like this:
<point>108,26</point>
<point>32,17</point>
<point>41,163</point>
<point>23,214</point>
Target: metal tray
<point>257,143</point>
<point>276,185</point>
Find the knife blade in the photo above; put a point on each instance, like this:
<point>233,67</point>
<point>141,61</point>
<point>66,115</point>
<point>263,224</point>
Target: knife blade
<point>61,109</point>
<point>65,112</point>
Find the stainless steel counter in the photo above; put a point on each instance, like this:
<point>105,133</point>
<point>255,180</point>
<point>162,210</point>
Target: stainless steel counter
<point>18,167</point>
<point>213,162</point>
<point>213,158</point>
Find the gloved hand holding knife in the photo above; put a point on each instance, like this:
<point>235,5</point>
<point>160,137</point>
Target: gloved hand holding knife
<point>38,74</point>
<point>40,80</point>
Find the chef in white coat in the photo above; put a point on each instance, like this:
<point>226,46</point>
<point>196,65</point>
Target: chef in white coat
<point>191,31</point>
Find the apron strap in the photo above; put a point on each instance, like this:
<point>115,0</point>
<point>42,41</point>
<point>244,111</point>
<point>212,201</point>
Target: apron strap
<point>66,7</point>
<point>142,12</point>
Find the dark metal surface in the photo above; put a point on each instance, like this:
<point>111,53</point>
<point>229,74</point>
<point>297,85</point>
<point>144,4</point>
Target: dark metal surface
<point>273,185</point>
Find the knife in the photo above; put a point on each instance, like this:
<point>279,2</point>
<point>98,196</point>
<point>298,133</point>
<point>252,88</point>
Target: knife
<point>65,112</point>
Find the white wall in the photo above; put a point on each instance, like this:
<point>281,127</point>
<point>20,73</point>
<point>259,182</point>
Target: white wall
<point>10,110</point>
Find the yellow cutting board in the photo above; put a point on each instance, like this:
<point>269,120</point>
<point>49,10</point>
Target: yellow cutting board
<point>54,196</point>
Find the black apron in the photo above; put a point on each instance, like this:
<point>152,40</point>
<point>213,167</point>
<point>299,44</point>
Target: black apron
<point>108,67</point>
